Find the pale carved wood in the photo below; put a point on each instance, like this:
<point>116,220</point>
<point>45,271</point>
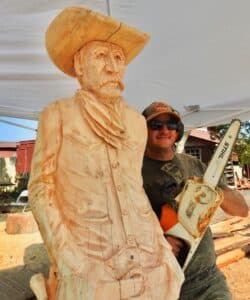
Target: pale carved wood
<point>85,189</point>
<point>232,256</point>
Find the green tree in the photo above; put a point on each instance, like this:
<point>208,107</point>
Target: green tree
<point>4,176</point>
<point>242,148</point>
<point>242,145</point>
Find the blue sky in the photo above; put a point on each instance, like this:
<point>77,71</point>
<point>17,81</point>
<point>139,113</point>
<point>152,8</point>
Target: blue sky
<point>10,133</point>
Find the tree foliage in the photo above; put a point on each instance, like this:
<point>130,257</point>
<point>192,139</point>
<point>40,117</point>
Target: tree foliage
<point>242,148</point>
<point>242,145</point>
<point>4,176</point>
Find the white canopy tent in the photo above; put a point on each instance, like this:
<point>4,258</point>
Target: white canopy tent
<point>199,55</point>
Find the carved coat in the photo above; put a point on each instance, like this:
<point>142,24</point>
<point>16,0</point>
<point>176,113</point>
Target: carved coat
<point>87,195</point>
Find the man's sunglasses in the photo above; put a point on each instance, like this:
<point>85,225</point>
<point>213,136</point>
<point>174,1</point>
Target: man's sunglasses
<point>158,124</point>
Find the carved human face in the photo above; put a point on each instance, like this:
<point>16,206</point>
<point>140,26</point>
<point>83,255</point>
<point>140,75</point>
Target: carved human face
<point>100,68</point>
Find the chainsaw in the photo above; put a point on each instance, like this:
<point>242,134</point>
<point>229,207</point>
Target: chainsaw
<point>199,198</point>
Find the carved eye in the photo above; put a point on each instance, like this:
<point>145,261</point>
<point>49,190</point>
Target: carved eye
<point>100,55</point>
<point>118,57</point>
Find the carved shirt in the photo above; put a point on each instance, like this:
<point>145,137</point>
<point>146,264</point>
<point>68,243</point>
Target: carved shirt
<point>95,189</point>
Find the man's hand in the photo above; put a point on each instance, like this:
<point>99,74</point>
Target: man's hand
<point>175,243</point>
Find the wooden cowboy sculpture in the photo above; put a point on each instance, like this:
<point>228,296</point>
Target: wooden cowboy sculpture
<point>103,240</point>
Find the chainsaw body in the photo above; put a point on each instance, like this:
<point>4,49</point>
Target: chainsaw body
<point>197,205</point>
<point>200,197</point>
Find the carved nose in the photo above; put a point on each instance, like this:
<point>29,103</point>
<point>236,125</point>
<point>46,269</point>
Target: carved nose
<point>111,65</point>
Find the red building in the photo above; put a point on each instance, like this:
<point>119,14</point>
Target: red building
<point>8,149</point>
<point>24,152</point>
<point>17,155</point>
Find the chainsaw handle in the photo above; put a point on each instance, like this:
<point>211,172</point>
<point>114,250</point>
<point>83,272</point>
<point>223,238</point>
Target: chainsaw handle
<point>168,217</point>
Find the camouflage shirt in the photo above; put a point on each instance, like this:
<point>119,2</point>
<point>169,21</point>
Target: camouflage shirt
<point>163,181</point>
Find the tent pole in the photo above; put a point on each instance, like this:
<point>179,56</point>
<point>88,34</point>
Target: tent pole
<point>18,125</point>
<point>108,8</point>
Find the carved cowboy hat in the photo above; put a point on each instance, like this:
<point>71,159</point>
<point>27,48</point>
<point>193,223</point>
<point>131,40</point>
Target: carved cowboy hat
<point>76,26</point>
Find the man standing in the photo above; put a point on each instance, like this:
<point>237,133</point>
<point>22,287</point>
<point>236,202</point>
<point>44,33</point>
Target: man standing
<point>85,189</point>
<point>164,174</point>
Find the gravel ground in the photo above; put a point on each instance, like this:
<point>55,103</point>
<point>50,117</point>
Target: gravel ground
<point>238,278</point>
<point>26,252</point>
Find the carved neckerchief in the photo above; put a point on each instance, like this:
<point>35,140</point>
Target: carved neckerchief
<point>105,119</point>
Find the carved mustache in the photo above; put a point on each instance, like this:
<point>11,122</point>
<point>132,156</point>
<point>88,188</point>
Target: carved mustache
<point>112,82</point>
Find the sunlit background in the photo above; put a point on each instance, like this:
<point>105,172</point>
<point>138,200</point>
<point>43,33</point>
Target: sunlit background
<point>14,133</point>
